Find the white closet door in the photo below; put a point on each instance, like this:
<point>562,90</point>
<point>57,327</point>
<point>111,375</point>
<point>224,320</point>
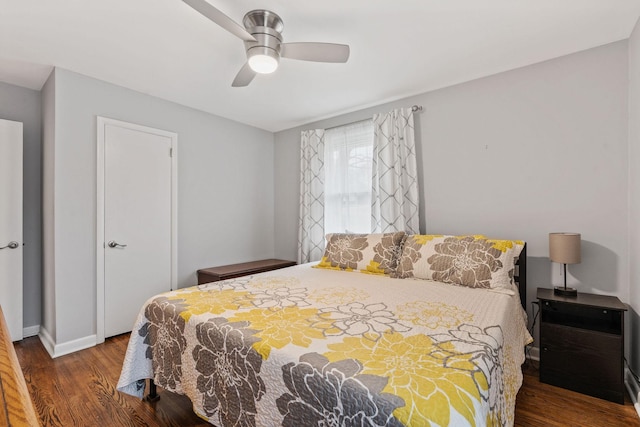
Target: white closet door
<point>11,226</point>
<point>139,216</point>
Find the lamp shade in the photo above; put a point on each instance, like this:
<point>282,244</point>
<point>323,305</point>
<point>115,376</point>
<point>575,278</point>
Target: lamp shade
<point>564,248</point>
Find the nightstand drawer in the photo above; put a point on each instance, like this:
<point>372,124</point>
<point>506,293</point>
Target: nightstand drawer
<point>583,317</point>
<point>582,360</point>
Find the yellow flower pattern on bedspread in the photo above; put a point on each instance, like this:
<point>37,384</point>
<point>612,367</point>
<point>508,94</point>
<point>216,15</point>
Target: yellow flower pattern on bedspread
<point>278,328</point>
<point>429,378</point>
<point>311,347</point>
<point>338,295</point>
<point>207,302</point>
<point>433,315</point>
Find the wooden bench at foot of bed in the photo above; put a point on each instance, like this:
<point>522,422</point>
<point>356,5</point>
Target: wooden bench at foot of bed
<point>16,408</point>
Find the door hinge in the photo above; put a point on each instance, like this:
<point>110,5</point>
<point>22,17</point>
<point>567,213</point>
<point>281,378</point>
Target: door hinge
<point>170,152</point>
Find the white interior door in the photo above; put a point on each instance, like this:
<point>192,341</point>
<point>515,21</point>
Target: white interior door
<point>139,218</point>
<point>11,225</point>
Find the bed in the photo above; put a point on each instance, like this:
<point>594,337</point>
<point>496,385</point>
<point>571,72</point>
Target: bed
<point>355,340</point>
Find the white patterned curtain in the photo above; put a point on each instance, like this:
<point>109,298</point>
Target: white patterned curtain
<point>394,198</point>
<point>311,223</point>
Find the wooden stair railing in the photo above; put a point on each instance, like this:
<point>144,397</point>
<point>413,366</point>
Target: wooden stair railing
<point>16,408</point>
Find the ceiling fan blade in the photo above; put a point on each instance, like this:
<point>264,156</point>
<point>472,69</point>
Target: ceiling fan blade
<point>244,76</point>
<point>221,19</point>
<point>317,52</point>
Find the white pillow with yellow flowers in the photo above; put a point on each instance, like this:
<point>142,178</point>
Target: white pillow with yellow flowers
<point>472,260</point>
<point>368,253</point>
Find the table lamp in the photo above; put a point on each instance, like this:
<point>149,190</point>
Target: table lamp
<point>564,248</point>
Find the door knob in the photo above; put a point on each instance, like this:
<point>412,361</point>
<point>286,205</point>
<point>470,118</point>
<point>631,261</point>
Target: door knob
<point>114,244</point>
<point>11,245</point>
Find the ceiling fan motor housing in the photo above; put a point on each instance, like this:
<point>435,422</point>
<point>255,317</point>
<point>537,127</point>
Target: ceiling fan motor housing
<point>265,26</point>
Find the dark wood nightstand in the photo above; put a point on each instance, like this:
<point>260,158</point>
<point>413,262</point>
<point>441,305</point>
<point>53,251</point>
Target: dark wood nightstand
<point>582,343</point>
<point>224,272</point>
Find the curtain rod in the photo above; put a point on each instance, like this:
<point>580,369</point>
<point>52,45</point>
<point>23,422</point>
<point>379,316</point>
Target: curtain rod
<point>347,124</point>
<point>414,108</point>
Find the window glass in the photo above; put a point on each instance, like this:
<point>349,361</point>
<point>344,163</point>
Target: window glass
<point>348,153</point>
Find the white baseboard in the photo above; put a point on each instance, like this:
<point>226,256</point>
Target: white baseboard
<point>533,353</point>
<point>46,340</point>
<point>633,388</point>
<point>57,350</point>
<point>30,331</point>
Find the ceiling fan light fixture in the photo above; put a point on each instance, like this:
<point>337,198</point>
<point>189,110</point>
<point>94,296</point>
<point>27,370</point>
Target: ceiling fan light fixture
<point>263,64</point>
<point>263,60</point>
<point>263,42</point>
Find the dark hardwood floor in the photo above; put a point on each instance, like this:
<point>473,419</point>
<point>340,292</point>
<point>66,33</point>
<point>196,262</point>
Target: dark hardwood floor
<point>541,404</point>
<point>79,390</point>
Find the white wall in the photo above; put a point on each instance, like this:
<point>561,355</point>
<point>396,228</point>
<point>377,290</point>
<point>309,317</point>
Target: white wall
<point>534,150</point>
<point>634,197</point>
<point>48,213</point>
<point>24,105</point>
<point>515,155</point>
<point>225,204</point>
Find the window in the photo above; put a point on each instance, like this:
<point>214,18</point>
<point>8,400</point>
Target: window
<point>348,153</point>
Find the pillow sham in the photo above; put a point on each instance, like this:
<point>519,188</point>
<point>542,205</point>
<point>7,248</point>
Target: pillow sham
<point>368,253</point>
<point>471,260</point>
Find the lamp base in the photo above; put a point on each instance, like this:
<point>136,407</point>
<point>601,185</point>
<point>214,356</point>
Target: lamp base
<point>565,292</point>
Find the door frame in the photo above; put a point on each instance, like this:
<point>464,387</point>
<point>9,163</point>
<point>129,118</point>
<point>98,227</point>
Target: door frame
<point>102,123</point>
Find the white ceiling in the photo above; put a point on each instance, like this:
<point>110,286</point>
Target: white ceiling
<point>398,48</point>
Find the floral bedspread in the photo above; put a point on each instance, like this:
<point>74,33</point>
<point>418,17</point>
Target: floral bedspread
<point>311,347</point>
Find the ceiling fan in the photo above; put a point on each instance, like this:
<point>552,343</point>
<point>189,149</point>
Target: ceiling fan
<point>263,42</point>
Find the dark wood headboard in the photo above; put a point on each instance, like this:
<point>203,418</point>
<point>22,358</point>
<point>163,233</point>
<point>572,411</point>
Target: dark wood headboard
<point>521,276</point>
